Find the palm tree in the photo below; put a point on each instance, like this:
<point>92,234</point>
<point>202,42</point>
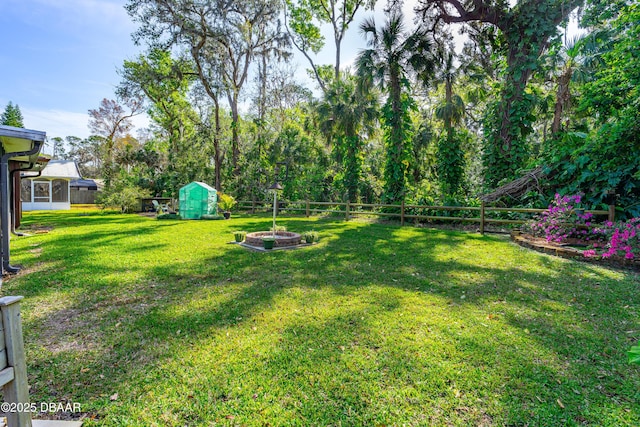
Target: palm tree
<point>347,115</point>
<point>450,112</point>
<point>392,56</point>
<point>579,58</point>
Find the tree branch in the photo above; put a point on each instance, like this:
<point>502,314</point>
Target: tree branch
<point>304,52</point>
<point>481,11</point>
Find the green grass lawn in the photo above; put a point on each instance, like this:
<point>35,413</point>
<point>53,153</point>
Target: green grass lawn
<point>148,322</point>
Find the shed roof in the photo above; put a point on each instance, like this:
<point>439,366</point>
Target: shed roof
<point>201,184</point>
<point>84,183</point>
<point>61,169</point>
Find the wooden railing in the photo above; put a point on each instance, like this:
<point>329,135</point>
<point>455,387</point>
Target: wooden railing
<point>353,209</point>
<point>13,366</point>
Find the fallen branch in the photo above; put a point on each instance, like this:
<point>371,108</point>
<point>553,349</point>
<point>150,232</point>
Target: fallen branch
<point>517,188</point>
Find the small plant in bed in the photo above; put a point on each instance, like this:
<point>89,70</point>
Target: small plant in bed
<point>268,242</point>
<point>310,236</point>
<point>239,235</point>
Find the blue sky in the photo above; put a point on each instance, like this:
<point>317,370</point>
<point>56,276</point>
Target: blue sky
<point>60,58</point>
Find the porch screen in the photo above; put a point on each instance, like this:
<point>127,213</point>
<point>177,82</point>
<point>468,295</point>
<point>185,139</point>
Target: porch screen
<point>60,190</point>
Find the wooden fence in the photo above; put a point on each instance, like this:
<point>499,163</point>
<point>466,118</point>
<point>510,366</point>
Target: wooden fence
<point>83,197</point>
<point>404,212</point>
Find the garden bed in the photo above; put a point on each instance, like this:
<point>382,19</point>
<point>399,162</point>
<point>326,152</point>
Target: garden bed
<point>283,238</point>
<point>570,250</point>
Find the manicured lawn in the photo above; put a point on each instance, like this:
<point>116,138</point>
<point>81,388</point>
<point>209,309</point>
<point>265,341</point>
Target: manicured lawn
<point>149,322</point>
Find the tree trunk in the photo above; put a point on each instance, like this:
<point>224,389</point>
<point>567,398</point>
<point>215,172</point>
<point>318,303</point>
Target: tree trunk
<point>563,100</point>
<point>235,136</point>
<point>217,158</point>
<point>395,169</point>
<point>449,102</point>
<point>337,66</point>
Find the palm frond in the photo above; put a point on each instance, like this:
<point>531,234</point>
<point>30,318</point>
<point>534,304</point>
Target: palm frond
<point>369,31</point>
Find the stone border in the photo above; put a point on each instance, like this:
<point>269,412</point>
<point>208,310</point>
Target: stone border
<point>262,249</point>
<point>541,245</point>
<point>283,238</point>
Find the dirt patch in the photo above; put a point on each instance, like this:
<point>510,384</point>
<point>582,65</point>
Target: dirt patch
<point>65,331</point>
<point>36,251</point>
<point>34,229</point>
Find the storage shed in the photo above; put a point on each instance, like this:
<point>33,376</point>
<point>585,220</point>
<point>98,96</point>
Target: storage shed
<point>197,199</point>
<point>83,191</point>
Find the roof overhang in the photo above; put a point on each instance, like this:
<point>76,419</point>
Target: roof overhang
<point>34,169</point>
<point>18,140</point>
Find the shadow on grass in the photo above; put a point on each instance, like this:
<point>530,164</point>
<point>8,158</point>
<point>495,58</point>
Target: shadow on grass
<point>376,324</point>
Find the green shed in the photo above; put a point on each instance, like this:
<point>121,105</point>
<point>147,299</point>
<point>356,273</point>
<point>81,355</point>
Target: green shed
<point>197,199</point>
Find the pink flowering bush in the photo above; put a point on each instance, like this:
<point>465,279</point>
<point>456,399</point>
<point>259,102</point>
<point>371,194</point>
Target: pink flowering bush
<point>563,219</point>
<point>623,239</point>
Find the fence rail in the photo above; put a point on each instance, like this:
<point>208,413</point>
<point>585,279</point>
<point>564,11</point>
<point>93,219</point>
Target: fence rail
<point>353,209</point>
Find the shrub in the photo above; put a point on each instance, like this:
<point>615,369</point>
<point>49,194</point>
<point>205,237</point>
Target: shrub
<point>563,219</point>
<point>310,236</point>
<point>124,196</point>
<point>278,228</point>
<point>239,235</point>
<point>621,238</point>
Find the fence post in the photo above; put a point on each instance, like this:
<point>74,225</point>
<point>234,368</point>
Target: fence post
<point>402,213</point>
<point>346,212</point>
<point>482,217</point>
<point>16,391</point>
<point>307,211</point>
<point>253,206</point>
<point>611,196</point>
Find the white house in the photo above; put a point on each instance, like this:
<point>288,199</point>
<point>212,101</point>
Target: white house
<point>50,190</point>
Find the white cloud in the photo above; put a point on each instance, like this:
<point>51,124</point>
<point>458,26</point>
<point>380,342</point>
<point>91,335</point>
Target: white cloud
<point>56,122</point>
<point>66,123</point>
<point>74,13</point>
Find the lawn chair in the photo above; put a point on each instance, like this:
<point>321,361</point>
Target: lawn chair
<point>160,208</point>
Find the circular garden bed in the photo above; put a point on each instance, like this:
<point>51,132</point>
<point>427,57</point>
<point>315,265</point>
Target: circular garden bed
<point>283,238</point>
